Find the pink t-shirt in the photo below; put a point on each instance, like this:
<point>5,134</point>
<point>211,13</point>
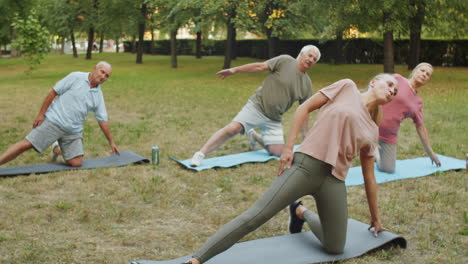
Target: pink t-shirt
<point>406,104</point>
<point>343,127</point>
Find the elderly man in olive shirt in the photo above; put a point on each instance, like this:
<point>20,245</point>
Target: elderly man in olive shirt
<point>286,83</point>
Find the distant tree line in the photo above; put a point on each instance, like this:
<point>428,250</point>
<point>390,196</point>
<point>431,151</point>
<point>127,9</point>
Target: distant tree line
<point>354,51</point>
<point>273,20</point>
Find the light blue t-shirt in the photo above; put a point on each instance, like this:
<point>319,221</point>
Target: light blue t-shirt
<point>75,99</point>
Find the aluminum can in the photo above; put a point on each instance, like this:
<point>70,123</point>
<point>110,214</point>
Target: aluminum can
<point>155,155</point>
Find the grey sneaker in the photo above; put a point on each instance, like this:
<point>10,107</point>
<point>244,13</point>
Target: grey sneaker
<point>197,159</point>
<point>250,136</point>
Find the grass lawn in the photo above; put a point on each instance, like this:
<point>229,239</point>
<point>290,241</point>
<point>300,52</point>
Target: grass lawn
<point>116,215</point>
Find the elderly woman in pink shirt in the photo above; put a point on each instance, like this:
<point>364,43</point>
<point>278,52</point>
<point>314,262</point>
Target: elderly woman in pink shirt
<point>345,127</point>
<point>407,104</point>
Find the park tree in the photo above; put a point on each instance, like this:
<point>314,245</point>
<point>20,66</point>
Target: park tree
<point>172,16</point>
<point>8,11</point>
<point>90,21</point>
<point>62,18</point>
<point>201,18</point>
<point>436,18</point>
<point>32,39</point>
<point>119,18</point>
<point>276,19</point>
<point>331,19</point>
<point>385,16</point>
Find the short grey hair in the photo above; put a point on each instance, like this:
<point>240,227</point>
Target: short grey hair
<point>103,63</point>
<point>306,49</point>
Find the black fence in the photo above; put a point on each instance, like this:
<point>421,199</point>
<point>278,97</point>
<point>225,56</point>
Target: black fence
<point>370,51</point>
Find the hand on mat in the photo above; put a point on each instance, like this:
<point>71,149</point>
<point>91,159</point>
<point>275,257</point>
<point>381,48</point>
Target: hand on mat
<point>225,73</point>
<point>435,159</point>
<point>114,149</point>
<point>39,119</point>
<point>285,160</point>
<point>377,227</point>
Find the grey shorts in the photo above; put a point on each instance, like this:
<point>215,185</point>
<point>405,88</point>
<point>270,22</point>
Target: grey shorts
<point>42,136</point>
<point>251,117</point>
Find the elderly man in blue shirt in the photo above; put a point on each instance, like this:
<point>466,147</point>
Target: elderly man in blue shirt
<point>62,119</point>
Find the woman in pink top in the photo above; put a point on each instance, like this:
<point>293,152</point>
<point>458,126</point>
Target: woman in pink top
<point>407,104</point>
<point>344,128</point>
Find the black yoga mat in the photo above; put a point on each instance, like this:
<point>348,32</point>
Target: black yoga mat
<point>300,248</point>
<point>126,157</point>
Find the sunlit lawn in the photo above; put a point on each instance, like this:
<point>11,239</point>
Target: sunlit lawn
<point>116,215</point>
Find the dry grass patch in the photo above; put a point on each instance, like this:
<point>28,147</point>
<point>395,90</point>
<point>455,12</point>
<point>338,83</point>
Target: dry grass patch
<point>116,215</point>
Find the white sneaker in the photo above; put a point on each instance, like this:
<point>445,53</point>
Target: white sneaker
<point>251,138</point>
<point>55,154</point>
<point>197,159</point>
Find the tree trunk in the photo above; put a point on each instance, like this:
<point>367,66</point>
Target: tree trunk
<point>415,24</point>
<point>134,46</point>
<point>91,34</point>
<point>272,46</point>
<point>339,56</point>
<point>90,43</point>
<point>230,42</point>
<point>174,48</point>
<point>14,51</point>
<point>389,63</point>
<point>141,34</point>
<point>234,45</point>
<point>152,41</point>
<point>117,48</point>
<point>101,42</point>
<point>62,45</point>
<point>72,37</point>
<point>198,45</point>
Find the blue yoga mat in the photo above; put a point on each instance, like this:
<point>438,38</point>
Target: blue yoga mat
<point>410,168</point>
<point>405,169</point>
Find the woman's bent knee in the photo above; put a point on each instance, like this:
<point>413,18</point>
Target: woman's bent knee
<point>386,168</point>
<point>333,249</point>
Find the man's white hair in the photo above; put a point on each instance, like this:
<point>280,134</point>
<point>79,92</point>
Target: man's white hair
<point>103,63</point>
<point>306,49</point>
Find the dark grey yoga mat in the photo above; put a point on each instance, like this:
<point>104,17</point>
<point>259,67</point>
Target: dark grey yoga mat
<point>301,248</point>
<point>126,157</point>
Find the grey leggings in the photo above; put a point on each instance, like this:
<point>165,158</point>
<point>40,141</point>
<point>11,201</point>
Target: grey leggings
<point>307,176</point>
<point>387,157</point>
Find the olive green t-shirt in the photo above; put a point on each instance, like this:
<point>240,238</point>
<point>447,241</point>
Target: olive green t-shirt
<point>283,86</point>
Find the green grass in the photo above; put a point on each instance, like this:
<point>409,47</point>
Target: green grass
<point>116,215</point>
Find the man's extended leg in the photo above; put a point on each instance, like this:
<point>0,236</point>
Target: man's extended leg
<point>216,140</point>
<point>14,151</point>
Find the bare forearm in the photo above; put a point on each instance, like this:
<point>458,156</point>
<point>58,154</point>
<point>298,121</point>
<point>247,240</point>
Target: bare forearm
<point>47,102</point>
<point>300,116</point>
<point>423,135</point>
<point>251,68</point>
<point>367,165</point>
<point>106,131</point>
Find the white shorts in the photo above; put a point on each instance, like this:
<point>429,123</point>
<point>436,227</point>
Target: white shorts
<point>251,117</point>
